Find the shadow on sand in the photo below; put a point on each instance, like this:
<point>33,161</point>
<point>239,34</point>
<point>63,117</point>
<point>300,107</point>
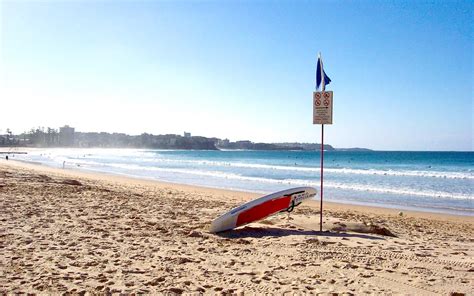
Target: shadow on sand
<point>259,232</point>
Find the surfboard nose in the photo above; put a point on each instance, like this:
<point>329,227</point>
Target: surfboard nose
<point>222,224</point>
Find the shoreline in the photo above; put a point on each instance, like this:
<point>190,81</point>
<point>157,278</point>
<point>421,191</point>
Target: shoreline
<point>74,232</point>
<point>433,196</point>
<point>242,195</point>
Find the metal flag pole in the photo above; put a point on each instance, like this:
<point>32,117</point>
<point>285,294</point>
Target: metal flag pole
<point>322,114</point>
<point>322,165</point>
<point>323,88</point>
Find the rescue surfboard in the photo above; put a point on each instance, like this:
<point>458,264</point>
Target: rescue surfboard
<point>262,207</point>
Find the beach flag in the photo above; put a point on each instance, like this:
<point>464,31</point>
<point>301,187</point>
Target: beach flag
<point>327,80</point>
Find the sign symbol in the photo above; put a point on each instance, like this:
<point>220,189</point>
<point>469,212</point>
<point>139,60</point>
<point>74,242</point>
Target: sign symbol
<point>322,107</point>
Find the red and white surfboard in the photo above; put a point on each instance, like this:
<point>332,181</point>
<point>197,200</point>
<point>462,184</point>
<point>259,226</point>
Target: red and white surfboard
<point>262,207</point>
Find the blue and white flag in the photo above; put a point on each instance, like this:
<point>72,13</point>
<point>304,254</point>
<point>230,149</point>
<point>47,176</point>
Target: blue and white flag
<point>327,80</point>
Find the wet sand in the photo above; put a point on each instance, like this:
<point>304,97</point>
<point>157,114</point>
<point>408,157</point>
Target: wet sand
<point>65,231</point>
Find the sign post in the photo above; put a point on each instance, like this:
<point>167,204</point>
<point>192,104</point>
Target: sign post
<point>322,114</point>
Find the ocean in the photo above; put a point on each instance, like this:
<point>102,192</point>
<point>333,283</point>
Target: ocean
<point>424,181</point>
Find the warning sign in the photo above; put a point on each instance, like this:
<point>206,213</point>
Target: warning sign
<point>322,107</point>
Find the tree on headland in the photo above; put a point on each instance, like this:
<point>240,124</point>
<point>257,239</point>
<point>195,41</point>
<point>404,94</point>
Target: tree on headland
<point>67,137</point>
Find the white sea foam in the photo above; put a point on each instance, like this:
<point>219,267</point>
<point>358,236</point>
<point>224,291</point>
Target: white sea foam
<point>151,157</point>
<point>350,171</point>
<point>146,161</point>
<point>296,182</point>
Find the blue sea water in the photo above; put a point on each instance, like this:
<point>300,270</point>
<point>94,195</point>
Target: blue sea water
<point>427,181</point>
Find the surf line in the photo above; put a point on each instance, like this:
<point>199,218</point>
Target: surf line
<point>322,114</point>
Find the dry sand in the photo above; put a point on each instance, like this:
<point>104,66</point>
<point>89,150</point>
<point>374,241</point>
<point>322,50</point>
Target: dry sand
<point>68,231</point>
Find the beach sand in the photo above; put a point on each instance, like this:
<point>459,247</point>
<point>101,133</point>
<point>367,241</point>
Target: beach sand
<point>69,231</point>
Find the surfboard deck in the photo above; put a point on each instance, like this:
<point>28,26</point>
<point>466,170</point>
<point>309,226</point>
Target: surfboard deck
<point>262,207</point>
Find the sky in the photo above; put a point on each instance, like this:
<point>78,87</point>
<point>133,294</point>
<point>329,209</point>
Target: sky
<point>402,71</point>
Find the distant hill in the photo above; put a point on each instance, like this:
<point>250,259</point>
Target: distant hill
<point>354,149</point>
<point>304,146</point>
<point>67,137</point>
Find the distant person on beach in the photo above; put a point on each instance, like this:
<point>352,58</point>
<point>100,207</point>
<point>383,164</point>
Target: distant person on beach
<point>6,157</point>
<point>64,164</point>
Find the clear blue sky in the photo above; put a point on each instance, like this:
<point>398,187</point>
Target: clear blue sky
<point>402,71</point>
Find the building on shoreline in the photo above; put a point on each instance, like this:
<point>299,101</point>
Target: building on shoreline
<point>66,136</point>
